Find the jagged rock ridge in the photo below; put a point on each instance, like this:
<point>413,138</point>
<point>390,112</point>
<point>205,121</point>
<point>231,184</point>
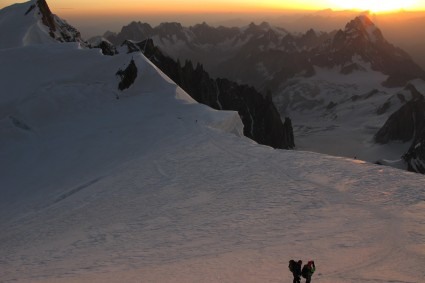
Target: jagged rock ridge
<point>260,117</point>
<point>265,56</point>
<point>59,29</point>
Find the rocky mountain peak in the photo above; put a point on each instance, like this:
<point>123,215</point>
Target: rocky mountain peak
<point>46,14</point>
<point>253,28</point>
<point>171,27</point>
<point>363,28</point>
<point>172,30</point>
<point>59,29</point>
<point>265,25</point>
<point>203,28</point>
<point>139,25</point>
<point>361,38</point>
<point>137,30</point>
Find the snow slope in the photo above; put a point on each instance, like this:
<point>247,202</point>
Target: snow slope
<point>18,29</point>
<point>31,23</point>
<point>339,114</point>
<point>330,85</point>
<point>145,185</point>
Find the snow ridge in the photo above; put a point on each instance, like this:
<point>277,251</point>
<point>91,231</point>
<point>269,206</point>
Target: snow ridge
<point>33,23</point>
<point>155,187</point>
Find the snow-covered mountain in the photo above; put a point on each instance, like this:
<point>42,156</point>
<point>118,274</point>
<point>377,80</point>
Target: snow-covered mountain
<point>338,88</point>
<point>217,48</point>
<point>272,54</point>
<point>261,120</point>
<point>154,187</point>
<point>35,25</point>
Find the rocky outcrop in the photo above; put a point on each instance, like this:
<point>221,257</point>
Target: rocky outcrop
<point>415,156</point>
<point>404,124</point>
<point>47,16</point>
<point>128,76</point>
<point>260,117</point>
<point>59,29</point>
<point>408,124</point>
<point>106,47</point>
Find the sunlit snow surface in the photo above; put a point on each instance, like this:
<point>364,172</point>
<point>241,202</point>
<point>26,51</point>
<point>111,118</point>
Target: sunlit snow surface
<point>149,188</point>
<point>146,185</point>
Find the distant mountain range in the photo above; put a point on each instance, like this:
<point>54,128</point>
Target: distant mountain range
<point>402,28</point>
<point>271,53</point>
<point>339,88</point>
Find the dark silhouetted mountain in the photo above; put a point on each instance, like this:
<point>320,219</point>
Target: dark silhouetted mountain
<point>266,56</point>
<point>361,37</point>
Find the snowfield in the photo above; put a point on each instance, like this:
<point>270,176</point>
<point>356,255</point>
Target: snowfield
<point>153,187</point>
<point>338,114</point>
<point>146,185</point>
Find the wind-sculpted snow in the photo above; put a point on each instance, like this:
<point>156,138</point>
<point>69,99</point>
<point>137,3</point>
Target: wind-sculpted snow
<point>154,187</point>
<point>143,189</point>
<point>183,203</point>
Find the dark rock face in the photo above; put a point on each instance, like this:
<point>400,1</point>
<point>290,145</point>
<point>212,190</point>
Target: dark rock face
<point>128,76</point>
<point>261,119</point>
<point>136,31</point>
<point>408,124</point>
<point>58,28</point>
<point>46,15</point>
<point>107,48</point>
<point>362,38</point>
<point>206,34</point>
<point>404,123</point>
<point>288,133</point>
<point>135,47</point>
<point>415,156</point>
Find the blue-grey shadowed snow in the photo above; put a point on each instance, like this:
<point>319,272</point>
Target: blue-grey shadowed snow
<point>154,187</point>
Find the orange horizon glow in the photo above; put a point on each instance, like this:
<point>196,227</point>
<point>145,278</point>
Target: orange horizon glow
<point>123,7</point>
<point>378,6</point>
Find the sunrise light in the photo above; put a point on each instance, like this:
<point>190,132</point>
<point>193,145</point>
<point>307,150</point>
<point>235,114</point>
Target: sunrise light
<point>376,6</point>
<point>211,6</point>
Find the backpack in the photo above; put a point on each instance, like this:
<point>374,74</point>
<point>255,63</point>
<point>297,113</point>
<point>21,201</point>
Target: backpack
<point>305,271</point>
<point>292,265</point>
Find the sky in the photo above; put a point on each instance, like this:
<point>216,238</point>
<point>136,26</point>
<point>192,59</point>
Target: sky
<point>95,17</point>
<point>195,6</point>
